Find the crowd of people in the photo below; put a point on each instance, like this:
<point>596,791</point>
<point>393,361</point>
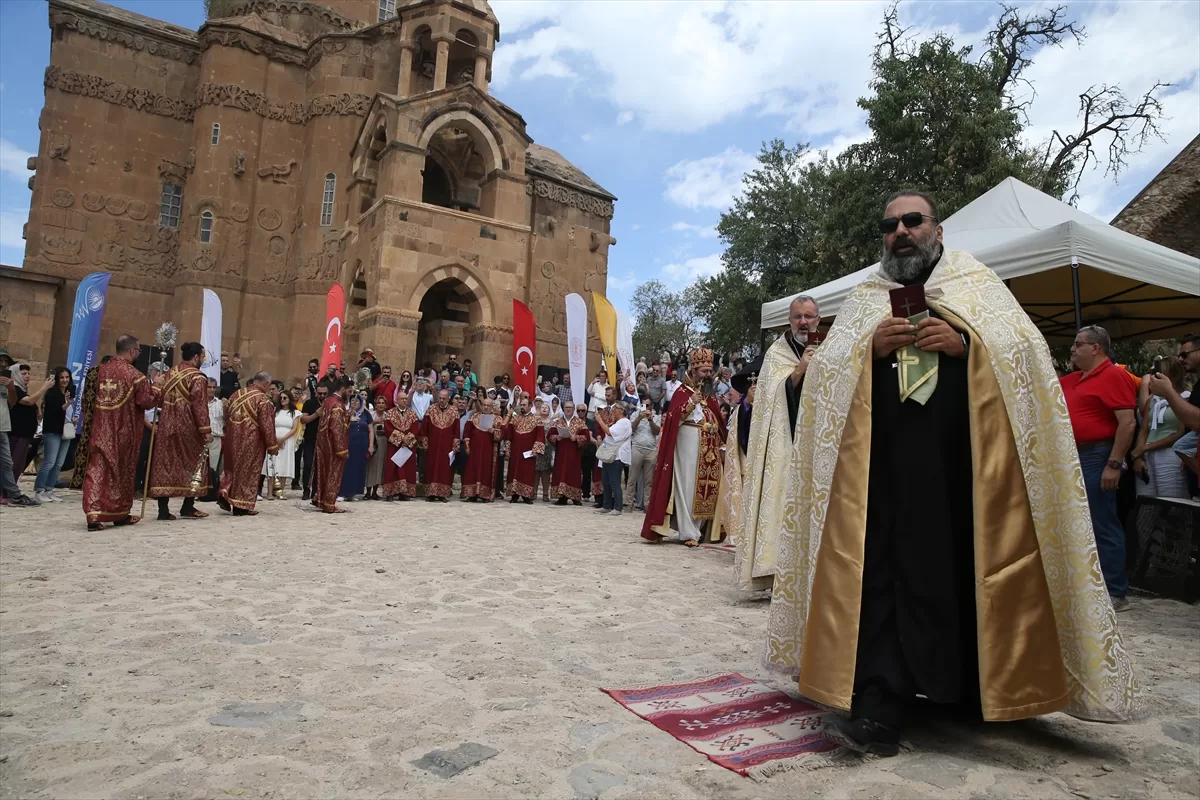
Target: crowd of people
<point>920,474</point>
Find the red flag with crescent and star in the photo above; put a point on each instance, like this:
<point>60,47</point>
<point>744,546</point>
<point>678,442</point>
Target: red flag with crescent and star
<point>335,306</point>
<point>524,371</point>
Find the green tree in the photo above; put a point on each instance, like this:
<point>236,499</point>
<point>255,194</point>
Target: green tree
<point>941,117</point>
<point>662,318</point>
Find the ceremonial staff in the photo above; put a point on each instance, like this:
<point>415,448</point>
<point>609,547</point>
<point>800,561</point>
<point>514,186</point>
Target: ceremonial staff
<point>164,339</point>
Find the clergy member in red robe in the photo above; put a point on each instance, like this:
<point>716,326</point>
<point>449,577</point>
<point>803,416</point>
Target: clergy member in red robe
<point>481,438</point>
<point>122,395</point>
<point>402,427</point>
<point>525,440</point>
<point>687,476</point>
<point>249,436</point>
<point>605,414</point>
<point>333,447</point>
<point>439,437</point>
<point>565,480</point>
<point>179,466</point>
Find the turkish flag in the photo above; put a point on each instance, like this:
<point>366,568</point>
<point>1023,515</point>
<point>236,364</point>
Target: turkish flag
<point>524,370</point>
<point>335,306</point>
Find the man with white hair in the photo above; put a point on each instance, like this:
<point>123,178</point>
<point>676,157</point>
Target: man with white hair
<point>768,467</point>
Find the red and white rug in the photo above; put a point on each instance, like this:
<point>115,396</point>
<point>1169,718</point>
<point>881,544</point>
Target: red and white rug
<point>738,723</point>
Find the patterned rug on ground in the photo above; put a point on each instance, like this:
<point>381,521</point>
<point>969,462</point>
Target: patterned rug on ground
<point>742,725</point>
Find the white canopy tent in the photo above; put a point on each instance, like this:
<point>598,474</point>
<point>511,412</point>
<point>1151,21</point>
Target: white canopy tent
<point>1066,268</point>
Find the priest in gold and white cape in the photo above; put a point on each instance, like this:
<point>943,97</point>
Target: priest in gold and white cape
<point>1040,635</point>
<point>768,460</point>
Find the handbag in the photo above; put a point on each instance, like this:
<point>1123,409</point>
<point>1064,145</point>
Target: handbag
<point>608,450</point>
<point>68,430</point>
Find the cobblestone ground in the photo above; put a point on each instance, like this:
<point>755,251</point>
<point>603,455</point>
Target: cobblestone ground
<point>302,655</point>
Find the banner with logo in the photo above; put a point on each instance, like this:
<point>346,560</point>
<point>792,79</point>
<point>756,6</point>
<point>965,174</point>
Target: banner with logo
<point>90,298</point>
<point>577,321</point>
<point>335,306</point>
<point>210,335</point>
<point>624,345</point>
<point>606,327</point>
<point>524,370</point>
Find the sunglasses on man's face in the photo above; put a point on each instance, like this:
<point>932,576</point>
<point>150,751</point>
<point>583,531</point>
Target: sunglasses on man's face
<point>911,220</point>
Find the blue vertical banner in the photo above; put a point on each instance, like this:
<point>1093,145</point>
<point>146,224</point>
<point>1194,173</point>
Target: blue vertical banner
<point>90,298</point>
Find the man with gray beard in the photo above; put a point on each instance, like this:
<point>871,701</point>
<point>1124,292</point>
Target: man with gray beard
<point>937,512</point>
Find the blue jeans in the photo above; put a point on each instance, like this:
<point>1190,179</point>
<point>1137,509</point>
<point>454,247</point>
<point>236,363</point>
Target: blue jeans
<point>54,450</point>
<point>611,479</point>
<point>1110,534</point>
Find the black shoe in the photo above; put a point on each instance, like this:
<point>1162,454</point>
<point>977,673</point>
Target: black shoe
<point>864,736</point>
<point>515,498</point>
<point>305,497</point>
<point>430,499</point>
<point>577,502</point>
<point>527,500</point>
<point>599,505</point>
<point>402,497</point>
<point>223,504</point>
<point>95,526</point>
<point>295,485</point>
<point>562,501</point>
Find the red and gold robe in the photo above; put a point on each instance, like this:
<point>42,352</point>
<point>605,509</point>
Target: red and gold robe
<point>568,473</point>
<point>122,396</point>
<point>524,433</point>
<point>249,436</point>
<point>333,448</point>
<point>402,428</point>
<point>439,435</point>
<point>179,466</point>
<point>605,414</point>
<point>479,478</point>
<point>708,467</point>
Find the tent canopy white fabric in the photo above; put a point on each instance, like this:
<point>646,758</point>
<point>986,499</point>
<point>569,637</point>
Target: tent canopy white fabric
<point>1135,288</point>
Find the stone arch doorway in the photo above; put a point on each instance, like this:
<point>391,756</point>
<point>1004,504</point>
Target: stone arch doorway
<point>449,308</point>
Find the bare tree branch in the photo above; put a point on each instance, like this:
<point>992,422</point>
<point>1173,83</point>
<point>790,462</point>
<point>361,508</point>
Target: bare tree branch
<point>1105,110</point>
<point>1012,42</point>
<point>892,37</point>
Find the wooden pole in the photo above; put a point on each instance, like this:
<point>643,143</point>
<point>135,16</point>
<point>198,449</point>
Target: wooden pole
<point>149,463</point>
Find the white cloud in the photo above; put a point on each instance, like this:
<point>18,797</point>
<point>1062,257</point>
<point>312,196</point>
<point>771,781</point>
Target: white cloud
<point>685,66</point>
<point>1131,45</point>
<point>635,227</point>
<point>587,137</point>
<point>693,269</point>
<point>709,182</point>
<point>13,161</point>
<point>703,231</point>
<point>624,117</point>
<point>11,224</point>
<point>615,282</point>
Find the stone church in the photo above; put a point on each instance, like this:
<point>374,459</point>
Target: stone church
<point>296,144</point>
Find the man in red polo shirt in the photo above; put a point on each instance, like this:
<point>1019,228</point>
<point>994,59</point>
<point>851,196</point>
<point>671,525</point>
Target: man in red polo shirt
<point>1101,400</point>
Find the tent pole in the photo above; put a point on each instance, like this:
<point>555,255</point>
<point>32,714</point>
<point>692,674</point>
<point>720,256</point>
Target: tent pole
<point>1075,293</point>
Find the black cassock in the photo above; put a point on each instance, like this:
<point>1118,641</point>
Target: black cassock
<point>917,627</point>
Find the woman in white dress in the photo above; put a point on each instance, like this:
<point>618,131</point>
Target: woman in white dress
<point>282,466</point>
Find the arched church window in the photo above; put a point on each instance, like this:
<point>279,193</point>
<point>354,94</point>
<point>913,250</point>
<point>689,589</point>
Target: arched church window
<point>206,227</point>
<point>216,134</point>
<point>327,200</point>
<point>387,9</point>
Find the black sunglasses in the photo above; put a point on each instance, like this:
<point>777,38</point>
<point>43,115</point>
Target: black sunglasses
<point>913,219</point>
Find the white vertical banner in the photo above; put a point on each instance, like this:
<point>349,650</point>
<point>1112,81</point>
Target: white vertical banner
<point>624,345</point>
<point>210,335</point>
<point>577,320</point>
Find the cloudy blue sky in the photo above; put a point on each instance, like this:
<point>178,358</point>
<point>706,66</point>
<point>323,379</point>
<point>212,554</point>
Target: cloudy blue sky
<point>666,103</point>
